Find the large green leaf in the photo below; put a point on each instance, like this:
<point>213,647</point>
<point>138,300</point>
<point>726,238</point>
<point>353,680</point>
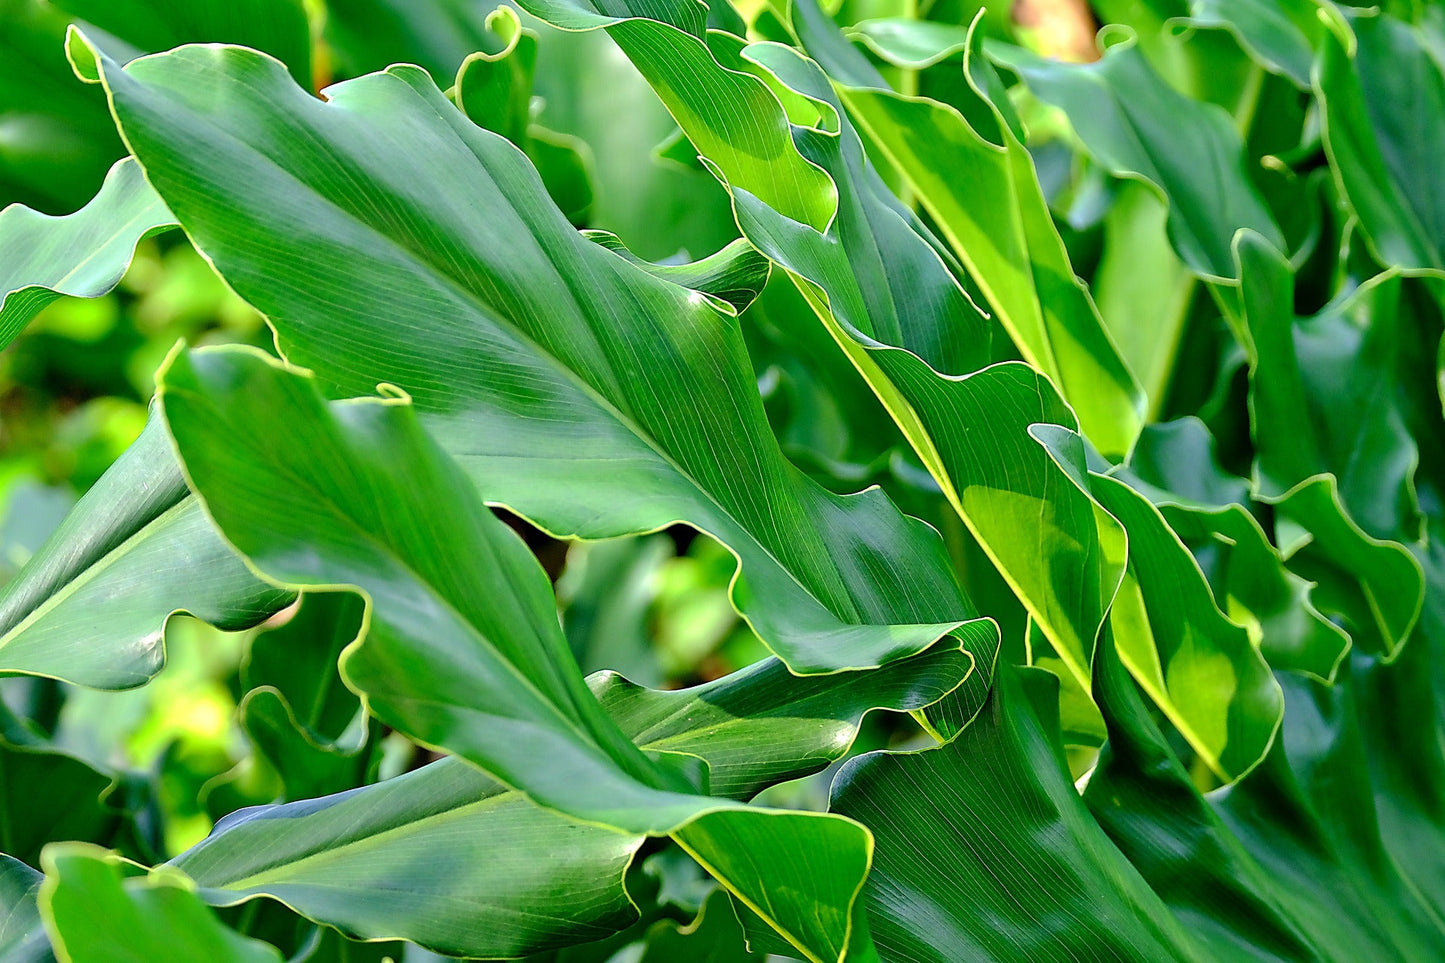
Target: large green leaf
<point>1381,86</point>
<point>462,647</point>
<point>81,255</point>
<point>985,850</point>
<point>94,913</point>
<point>91,605</point>
<point>443,856</point>
<point>575,387</point>
<point>754,728</point>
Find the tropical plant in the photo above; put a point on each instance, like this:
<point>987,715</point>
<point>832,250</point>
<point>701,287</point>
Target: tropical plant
<point>889,481</point>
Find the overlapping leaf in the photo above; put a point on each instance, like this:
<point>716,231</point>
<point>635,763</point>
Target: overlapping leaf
<point>573,386</point>
<point>462,647</point>
<point>754,728</point>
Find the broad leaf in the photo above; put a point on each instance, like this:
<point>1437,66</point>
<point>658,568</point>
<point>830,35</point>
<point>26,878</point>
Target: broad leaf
<point>463,650</point>
<point>985,850</point>
<point>539,358</point>
<point>443,856</point>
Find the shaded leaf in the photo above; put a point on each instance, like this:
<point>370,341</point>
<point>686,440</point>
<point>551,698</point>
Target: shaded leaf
<point>538,357</point>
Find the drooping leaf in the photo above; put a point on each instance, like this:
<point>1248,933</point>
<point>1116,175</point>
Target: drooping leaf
<point>91,606</point>
<point>443,856</point>
<point>94,913</point>
<point>81,255</point>
<point>463,649</point>
<point>538,357</point>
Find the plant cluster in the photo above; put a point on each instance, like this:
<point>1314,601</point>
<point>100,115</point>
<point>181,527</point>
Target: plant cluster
<point>882,481</point>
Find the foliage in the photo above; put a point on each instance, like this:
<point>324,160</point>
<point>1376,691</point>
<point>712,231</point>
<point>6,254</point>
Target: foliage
<point>643,481</point>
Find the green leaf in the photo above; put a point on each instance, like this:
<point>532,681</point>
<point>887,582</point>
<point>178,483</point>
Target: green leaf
<point>81,255</point>
<point>1137,126</point>
<point>94,913</point>
<point>1381,87</point>
<point>972,173</point>
<point>1200,668</point>
<point>48,795</point>
<point>761,725</point>
<point>713,937</point>
<point>298,660</point>
<point>670,47</point>
<point>970,431</point>
<point>443,856</point>
<point>985,850</point>
<point>576,388</point>
<point>1174,467</point>
<point>495,91</point>
<point>91,605</point>
<point>463,650</point>
<point>1323,396</point>
<point>754,728</point>
<point>22,935</point>
<point>436,35</point>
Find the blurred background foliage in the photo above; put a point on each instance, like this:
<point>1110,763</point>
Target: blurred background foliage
<point>74,387</point>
